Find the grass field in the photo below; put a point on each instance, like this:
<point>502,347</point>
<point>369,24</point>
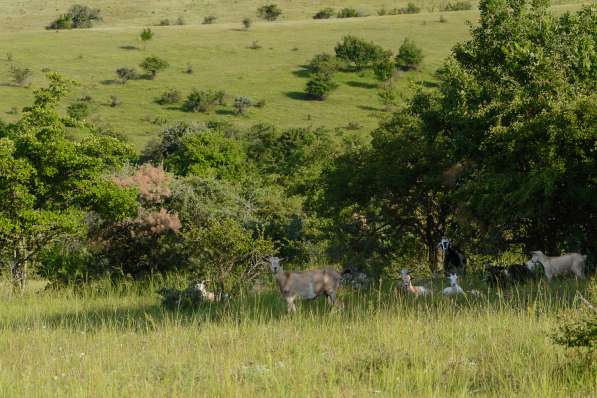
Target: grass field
<point>221,59</point>
<point>122,343</point>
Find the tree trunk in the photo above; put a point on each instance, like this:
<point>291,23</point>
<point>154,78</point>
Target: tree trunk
<point>18,268</point>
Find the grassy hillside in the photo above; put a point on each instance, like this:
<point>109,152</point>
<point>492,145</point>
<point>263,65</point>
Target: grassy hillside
<point>379,344</point>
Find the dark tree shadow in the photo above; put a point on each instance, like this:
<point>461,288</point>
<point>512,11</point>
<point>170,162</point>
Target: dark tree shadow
<point>225,112</point>
<point>129,47</point>
<point>361,84</point>
<point>429,84</point>
<point>304,72</point>
<point>109,82</point>
<point>297,95</point>
<point>370,108</point>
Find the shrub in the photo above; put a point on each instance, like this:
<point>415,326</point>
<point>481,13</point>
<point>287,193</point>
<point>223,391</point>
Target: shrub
<point>180,21</point>
<point>152,65</point>
<point>457,6</point>
<point>320,85</point>
<point>171,96</point>
<point>176,299</point>
<point>347,13</point>
<point>77,17</point>
<point>189,69</point>
<point>411,8</point>
<point>78,110</point>
<point>358,52</point>
<point>164,22</point>
<point>208,20</point>
<point>20,75</point>
<point>114,101</point>
<point>387,95</point>
<point>578,328</point>
<point>384,68</point>
<point>203,100</point>
<point>146,35</point>
<point>125,74</point>
<point>269,12</point>
<point>326,13</point>
<point>241,104</point>
<point>409,55</point>
<point>323,62</point>
<point>247,22</point>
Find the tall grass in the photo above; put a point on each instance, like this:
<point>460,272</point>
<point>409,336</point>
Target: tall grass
<point>113,341</point>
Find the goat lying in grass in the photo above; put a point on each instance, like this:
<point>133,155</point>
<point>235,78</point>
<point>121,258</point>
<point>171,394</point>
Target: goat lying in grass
<point>515,273</point>
<point>408,286</point>
<point>454,288</point>
<point>207,295</point>
<point>305,285</point>
<point>572,263</point>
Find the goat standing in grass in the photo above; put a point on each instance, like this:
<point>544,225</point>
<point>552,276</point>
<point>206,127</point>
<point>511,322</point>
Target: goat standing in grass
<point>572,263</point>
<point>408,286</point>
<point>305,285</point>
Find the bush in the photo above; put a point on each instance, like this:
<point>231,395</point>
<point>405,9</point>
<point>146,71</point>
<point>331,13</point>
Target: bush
<point>269,12</point>
<point>578,328</point>
<point>241,104</point>
<point>164,22</point>
<point>145,36</point>
<point>175,299</point>
<point>409,55</point>
<point>323,62</point>
<point>358,52</point>
<point>114,101</point>
<point>203,100</point>
<point>171,96</point>
<point>320,85</point>
<point>384,68</point>
<point>153,65</point>
<point>125,74</point>
<point>208,20</point>
<point>77,17</point>
<point>411,8</point>
<point>78,110</point>
<point>20,75</point>
<point>457,6</point>
<point>180,21</point>
<point>348,13</point>
<point>326,13</point>
<point>247,22</point>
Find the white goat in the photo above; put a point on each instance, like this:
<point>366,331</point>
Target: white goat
<point>306,285</point>
<point>408,286</point>
<point>454,288</point>
<point>207,295</point>
<point>572,263</point>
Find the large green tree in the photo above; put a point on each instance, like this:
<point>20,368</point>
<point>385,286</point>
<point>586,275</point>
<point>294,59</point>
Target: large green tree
<point>48,182</point>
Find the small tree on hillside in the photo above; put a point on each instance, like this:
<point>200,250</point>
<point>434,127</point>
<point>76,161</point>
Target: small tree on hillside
<point>247,22</point>
<point>358,52</point>
<point>384,68</point>
<point>125,74</point>
<point>269,12</point>
<point>320,85</point>
<point>409,55</point>
<point>77,17</point>
<point>145,36</point>
<point>152,65</point>
<point>20,75</point>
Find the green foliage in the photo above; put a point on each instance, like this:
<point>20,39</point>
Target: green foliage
<point>176,299</point>
<point>77,17</point>
<point>409,55</point>
<point>384,68</point>
<point>171,96</point>
<point>411,8</point>
<point>348,13</point>
<point>203,100</point>
<point>269,12</point>
<point>146,35</point>
<point>247,22</point>
<point>208,20</point>
<point>20,75</point>
<point>78,111</point>
<point>358,52</point>
<point>152,65</point>
<point>125,74</point>
<point>241,104</point>
<point>578,328</point>
<point>323,63</point>
<point>325,13</point>
<point>457,6</point>
<point>320,85</point>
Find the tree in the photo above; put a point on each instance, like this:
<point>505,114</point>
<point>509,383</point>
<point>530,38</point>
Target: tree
<point>241,104</point>
<point>409,55</point>
<point>153,65</point>
<point>78,16</point>
<point>145,36</point>
<point>325,13</point>
<point>247,22</point>
<point>203,100</point>
<point>324,62</point>
<point>384,67</point>
<point>125,74</point>
<point>269,12</point>
<point>47,182</point>
<point>20,75</point>
<point>358,52</point>
<point>320,85</point>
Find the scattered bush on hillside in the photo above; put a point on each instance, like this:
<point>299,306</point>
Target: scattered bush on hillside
<point>384,67</point>
<point>409,55</point>
<point>152,65</point>
<point>269,12</point>
<point>208,20</point>
<point>348,13</point>
<point>171,96</point>
<point>20,75</point>
<point>77,17</point>
<point>180,21</point>
<point>114,101</point>
<point>320,85</point>
<point>326,13</point>
<point>457,6</point>
<point>145,36</point>
<point>387,96</point>
<point>203,100</point>
<point>323,62</point>
<point>78,111</point>
<point>164,22</point>
<point>247,22</point>
<point>411,8</point>
<point>358,52</point>
<point>241,104</point>
<point>125,74</point>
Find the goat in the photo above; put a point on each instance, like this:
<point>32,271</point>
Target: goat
<point>454,288</point>
<point>454,259</point>
<point>572,263</point>
<point>207,295</point>
<point>408,286</point>
<point>515,273</point>
<point>305,285</point>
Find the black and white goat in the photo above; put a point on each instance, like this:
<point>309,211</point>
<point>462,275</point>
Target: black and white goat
<point>454,259</point>
<point>515,273</point>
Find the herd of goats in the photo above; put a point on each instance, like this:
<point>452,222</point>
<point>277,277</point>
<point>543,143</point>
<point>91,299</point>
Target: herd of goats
<point>324,282</point>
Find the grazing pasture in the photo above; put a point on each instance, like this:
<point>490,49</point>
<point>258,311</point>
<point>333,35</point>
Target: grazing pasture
<point>120,342</point>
